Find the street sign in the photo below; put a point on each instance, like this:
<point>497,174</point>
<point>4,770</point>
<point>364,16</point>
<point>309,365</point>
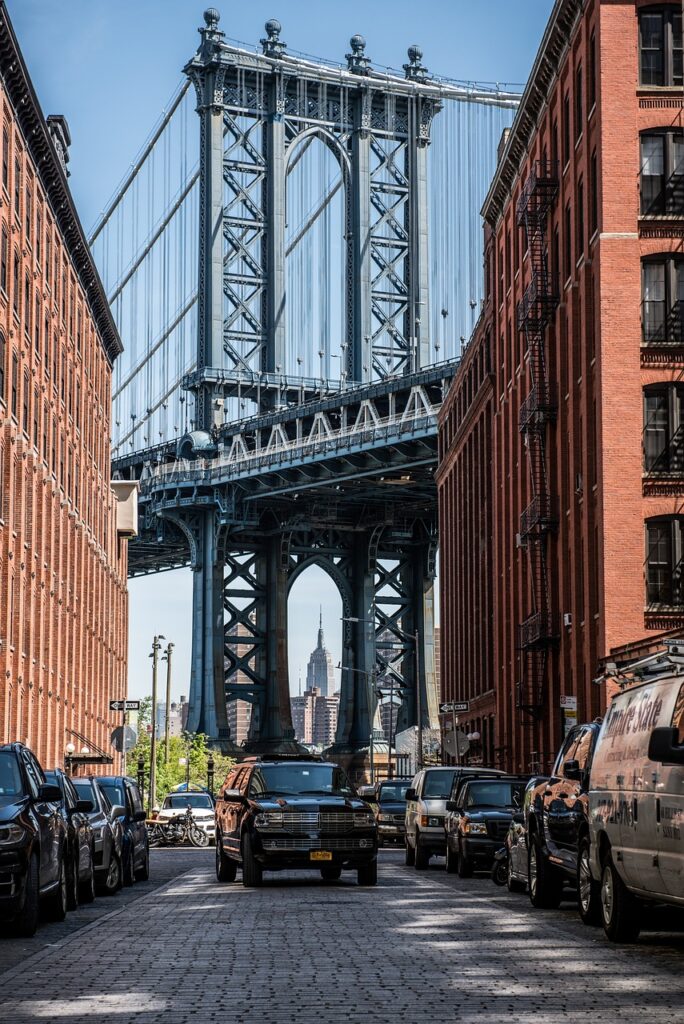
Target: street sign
<point>454,707</point>
<point>124,738</point>
<point>456,743</point>
<point>124,705</point>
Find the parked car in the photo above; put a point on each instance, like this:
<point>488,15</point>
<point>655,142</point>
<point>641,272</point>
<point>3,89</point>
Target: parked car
<point>33,843</point>
<point>80,854</point>
<point>388,801</point>
<point>176,804</point>
<point>107,836</point>
<point>479,821</point>
<point>558,825</point>
<point>636,805</point>
<point>124,796</point>
<point>516,842</point>
<point>426,800</point>
<point>274,814</point>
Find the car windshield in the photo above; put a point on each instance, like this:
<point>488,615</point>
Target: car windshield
<point>179,801</point>
<point>114,791</point>
<point>299,779</point>
<point>393,791</point>
<point>495,794</point>
<point>85,790</point>
<point>11,785</point>
<point>437,785</point>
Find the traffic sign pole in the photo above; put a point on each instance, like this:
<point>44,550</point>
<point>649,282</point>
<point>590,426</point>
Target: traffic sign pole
<point>453,726</point>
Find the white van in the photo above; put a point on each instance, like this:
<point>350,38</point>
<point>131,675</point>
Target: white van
<point>636,804</point>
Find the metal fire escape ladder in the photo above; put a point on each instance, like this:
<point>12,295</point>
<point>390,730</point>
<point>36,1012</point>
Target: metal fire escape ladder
<point>535,311</point>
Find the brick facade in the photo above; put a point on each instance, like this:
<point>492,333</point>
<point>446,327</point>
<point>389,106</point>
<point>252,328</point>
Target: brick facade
<point>63,601</point>
<point>580,122</point>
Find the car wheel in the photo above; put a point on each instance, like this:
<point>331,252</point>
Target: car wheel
<point>409,854</point>
<point>500,872</point>
<point>143,872</point>
<point>72,884</point>
<point>512,884</point>
<point>367,874</point>
<point>422,855</point>
<point>226,869</point>
<point>26,921</point>
<point>450,864</point>
<point>86,890</point>
<point>588,891</point>
<point>331,874</point>
<point>128,873</point>
<point>618,907</point>
<point>545,887</point>
<point>56,901</point>
<point>252,871</point>
<point>113,879</point>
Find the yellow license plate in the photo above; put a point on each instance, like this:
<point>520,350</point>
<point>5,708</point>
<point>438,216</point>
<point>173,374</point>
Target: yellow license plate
<point>320,855</point>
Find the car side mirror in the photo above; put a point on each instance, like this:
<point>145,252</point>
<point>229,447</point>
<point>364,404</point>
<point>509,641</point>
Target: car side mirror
<point>664,746</point>
<point>232,794</point>
<point>50,793</point>
<point>118,811</point>
<point>451,805</point>
<point>572,770</point>
<point>85,806</point>
<point>139,816</point>
<point>411,794</point>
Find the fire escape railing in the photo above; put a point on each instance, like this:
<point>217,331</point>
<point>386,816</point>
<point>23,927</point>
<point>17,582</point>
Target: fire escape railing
<point>537,632</point>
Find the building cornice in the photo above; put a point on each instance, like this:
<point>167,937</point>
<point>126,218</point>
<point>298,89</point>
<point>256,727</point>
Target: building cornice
<point>31,121</point>
<point>547,63</point>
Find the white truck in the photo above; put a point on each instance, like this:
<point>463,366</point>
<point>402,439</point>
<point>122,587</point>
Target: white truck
<point>636,804</point>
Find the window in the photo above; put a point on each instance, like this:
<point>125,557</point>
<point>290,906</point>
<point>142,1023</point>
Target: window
<point>37,323</point>
<point>25,404</point>
<point>27,304</point>
<point>591,84</point>
<point>579,242</point>
<point>36,418</point>
<point>28,212</point>
<point>664,561</point>
<point>5,159</point>
<point>579,103</point>
<point>593,175</point>
<point>15,384</point>
<point>566,129</point>
<point>664,428</point>
<point>17,187</point>
<point>46,342</point>
<point>3,353</point>
<point>662,172</point>
<point>15,283</point>
<point>46,421</point>
<point>662,300</point>
<point>660,46</point>
<point>4,257</point>
<point>48,255</point>
<point>568,241</point>
<point>39,238</point>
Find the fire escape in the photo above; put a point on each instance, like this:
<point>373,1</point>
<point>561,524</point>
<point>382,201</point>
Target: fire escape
<point>536,634</point>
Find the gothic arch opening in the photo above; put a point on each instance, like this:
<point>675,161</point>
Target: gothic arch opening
<point>315,650</point>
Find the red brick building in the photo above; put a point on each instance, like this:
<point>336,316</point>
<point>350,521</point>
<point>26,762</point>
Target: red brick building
<point>63,602</point>
<point>583,400</point>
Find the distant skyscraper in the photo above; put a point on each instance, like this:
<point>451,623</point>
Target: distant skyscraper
<point>320,673</point>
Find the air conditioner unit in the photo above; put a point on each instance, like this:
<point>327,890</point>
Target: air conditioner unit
<point>567,619</point>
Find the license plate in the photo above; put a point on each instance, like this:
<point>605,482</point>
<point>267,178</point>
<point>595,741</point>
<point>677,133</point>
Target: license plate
<point>320,855</point>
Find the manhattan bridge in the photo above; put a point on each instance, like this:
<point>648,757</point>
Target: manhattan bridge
<point>294,263</point>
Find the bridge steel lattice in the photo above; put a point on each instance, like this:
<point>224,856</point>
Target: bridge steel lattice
<point>334,472</point>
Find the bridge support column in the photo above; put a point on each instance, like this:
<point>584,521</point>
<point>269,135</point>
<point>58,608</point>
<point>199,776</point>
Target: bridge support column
<point>207,702</point>
<point>360,285</point>
<point>357,700</point>
<point>420,630</point>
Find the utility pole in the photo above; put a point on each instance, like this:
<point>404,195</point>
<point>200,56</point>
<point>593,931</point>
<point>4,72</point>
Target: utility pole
<point>167,657</point>
<point>419,707</point>
<point>156,647</point>
<point>391,723</point>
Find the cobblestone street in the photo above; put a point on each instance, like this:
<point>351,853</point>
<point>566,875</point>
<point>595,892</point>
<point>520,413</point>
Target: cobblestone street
<point>421,947</point>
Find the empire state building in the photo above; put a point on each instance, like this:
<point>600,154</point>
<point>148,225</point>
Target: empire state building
<point>320,673</point>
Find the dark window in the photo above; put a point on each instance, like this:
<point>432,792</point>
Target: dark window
<point>662,172</point>
<point>566,129</point>
<point>4,257</point>
<point>664,428</point>
<point>55,351</point>
<point>48,257</point>
<point>568,241</point>
<point>579,103</point>
<point>660,46</point>
<point>663,300</point>
<point>39,239</point>
<point>579,243</point>
<point>664,561</point>
<point>27,304</point>
<point>36,418</point>
<point>37,324</point>
<point>591,85</point>
<point>46,342</point>
<point>17,187</point>
<point>5,159</point>
<point>15,284</point>
<point>25,404</point>
<point>45,431</point>
<point>28,210</point>
<point>3,353</point>
<point>554,147</point>
<point>593,172</point>
<point>15,384</point>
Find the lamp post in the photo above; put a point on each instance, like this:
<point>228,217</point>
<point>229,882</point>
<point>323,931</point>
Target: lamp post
<point>141,776</point>
<point>156,647</point>
<point>167,718</point>
<point>69,752</point>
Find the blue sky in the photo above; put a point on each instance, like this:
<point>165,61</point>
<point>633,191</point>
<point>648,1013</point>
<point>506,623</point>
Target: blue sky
<point>111,65</point>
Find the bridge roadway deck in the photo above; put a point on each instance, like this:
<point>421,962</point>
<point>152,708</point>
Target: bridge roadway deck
<point>422,948</point>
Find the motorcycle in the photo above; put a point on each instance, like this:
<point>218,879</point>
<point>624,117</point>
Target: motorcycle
<point>176,831</point>
<point>500,866</point>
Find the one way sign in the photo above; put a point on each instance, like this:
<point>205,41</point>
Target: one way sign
<point>124,705</point>
<point>454,707</point>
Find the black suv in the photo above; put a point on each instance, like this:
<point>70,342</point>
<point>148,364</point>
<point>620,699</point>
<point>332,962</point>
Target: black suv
<point>33,842</point>
<point>276,813</point>
<point>479,820</point>
<point>124,796</point>
<point>558,826</point>
<point>80,853</point>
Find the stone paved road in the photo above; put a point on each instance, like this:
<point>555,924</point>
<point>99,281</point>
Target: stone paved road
<point>422,947</point>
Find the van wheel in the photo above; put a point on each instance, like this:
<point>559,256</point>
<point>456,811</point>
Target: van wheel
<point>26,921</point>
<point>618,907</point>
<point>252,872</point>
<point>588,891</point>
<point>409,854</point>
<point>422,855</point>
<point>226,868</point>
<point>546,888</point>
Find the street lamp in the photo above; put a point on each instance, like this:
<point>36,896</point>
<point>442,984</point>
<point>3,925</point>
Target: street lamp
<point>156,647</point>
<point>69,752</point>
<point>141,775</point>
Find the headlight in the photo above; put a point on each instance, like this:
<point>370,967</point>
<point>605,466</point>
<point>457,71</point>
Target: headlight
<point>363,819</point>
<point>269,819</point>
<point>431,821</point>
<point>475,828</point>
<point>385,817</point>
<point>11,834</point>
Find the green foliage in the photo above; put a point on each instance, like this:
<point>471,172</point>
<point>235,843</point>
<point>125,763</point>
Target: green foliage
<point>171,773</point>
